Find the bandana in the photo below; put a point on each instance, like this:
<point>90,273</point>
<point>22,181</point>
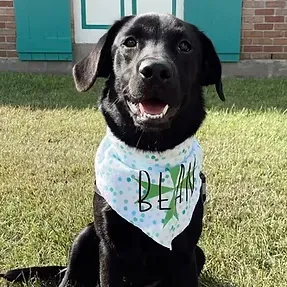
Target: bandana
<point>155,191</point>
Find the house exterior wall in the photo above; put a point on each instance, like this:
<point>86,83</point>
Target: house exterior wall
<point>264,29</point>
<point>264,24</point>
<point>7,30</point>
<point>91,23</point>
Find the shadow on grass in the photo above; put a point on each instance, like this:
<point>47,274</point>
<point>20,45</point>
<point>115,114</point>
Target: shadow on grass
<point>205,281</point>
<point>55,92</point>
<point>249,94</point>
<point>45,92</point>
<point>209,281</point>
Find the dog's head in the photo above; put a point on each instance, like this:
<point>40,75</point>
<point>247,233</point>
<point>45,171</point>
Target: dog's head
<point>156,65</point>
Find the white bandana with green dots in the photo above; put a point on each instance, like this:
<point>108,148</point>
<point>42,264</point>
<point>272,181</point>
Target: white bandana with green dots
<point>155,191</point>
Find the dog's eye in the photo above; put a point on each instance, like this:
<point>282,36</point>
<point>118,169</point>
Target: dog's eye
<point>130,42</point>
<point>184,46</point>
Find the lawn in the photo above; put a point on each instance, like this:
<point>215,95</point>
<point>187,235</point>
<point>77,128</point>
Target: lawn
<point>49,135</point>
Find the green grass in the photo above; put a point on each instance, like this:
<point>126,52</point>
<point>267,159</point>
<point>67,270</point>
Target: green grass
<point>49,135</point>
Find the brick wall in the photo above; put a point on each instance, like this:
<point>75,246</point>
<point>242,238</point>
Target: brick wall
<point>7,30</point>
<point>264,29</point>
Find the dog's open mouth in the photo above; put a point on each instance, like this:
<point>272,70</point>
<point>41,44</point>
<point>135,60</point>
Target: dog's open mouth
<point>149,109</point>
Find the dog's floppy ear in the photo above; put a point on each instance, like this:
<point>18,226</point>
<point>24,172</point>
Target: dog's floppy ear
<point>211,69</point>
<point>99,62</point>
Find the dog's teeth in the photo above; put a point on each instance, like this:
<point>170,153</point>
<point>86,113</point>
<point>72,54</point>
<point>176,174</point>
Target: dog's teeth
<point>133,107</point>
<point>165,109</point>
<point>160,116</point>
<point>152,116</point>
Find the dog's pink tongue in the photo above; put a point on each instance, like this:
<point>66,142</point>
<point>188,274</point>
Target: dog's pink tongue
<point>152,107</point>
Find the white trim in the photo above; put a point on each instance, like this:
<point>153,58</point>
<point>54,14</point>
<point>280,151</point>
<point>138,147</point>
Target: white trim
<point>128,7</point>
<point>180,9</point>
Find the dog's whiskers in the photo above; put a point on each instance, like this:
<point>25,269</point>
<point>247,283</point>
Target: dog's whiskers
<point>115,101</point>
<point>139,139</point>
<point>126,90</point>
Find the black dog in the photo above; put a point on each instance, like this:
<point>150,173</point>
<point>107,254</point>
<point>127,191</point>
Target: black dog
<point>156,66</point>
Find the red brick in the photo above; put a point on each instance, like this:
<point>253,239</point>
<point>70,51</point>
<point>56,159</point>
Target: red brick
<point>280,41</point>
<point>256,56</point>
<point>252,34</point>
<point>7,32</point>
<point>2,54</point>
<point>274,19</point>
<point>262,41</point>
<point>263,26</point>
<point>273,49</point>
<point>6,18</point>
<point>7,46</point>
<point>275,4</point>
<point>245,56</point>
<point>250,49</point>
<point>280,56</point>
<point>273,34</point>
<point>285,49</point>
<point>11,25</point>
<point>260,4</point>
<point>2,25</point>
<point>7,11</point>
<point>6,3</point>
<point>246,41</point>
<point>280,12</point>
<point>2,39</point>
<point>254,4</point>
<point>247,26</point>
<point>264,12</point>
<point>248,4</point>
<point>248,12</point>
<point>11,39</point>
<point>281,27</point>
<point>12,54</point>
<point>253,19</point>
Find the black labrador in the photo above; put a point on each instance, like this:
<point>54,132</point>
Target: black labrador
<point>150,62</point>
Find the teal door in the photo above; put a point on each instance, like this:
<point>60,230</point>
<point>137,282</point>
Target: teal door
<point>43,30</point>
<point>221,21</point>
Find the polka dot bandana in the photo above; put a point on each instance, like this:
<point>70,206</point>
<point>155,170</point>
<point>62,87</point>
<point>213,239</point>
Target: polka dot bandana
<point>155,191</point>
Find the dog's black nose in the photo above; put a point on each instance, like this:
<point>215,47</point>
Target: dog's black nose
<point>154,69</point>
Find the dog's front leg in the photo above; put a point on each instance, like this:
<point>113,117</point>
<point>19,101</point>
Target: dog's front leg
<point>183,272</point>
<point>184,261</point>
<point>109,269</point>
<point>190,274</point>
